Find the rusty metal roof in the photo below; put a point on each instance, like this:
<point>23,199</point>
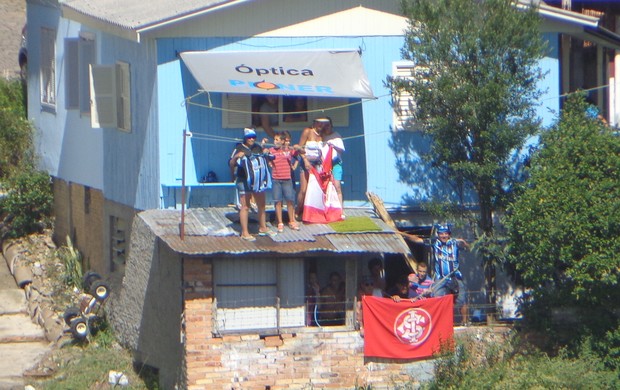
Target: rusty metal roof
<point>215,231</point>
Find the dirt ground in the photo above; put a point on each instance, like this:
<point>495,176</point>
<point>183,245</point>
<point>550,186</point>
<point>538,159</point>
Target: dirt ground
<point>12,19</point>
<point>46,299</point>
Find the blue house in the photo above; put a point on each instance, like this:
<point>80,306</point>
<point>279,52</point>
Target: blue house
<point>114,143</point>
<point>125,124</point>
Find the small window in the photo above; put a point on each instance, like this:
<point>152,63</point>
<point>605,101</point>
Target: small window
<point>123,101</point>
<point>294,109</point>
<point>402,101</point>
<point>259,294</point>
<point>267,294</point>
<point>79,55</point>
<point>110,88</point>
<point>87,200</point>
<point>118,242</point>
<point>48,67</point>
<point>288,112</point>
<point>270,105</point>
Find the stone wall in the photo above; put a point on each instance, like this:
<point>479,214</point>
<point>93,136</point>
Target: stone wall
<point>313,358</point>
<point>146,312</point>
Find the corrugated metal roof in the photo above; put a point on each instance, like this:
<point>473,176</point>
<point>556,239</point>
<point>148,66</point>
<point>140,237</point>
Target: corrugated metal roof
<point>136,15</point>
<point>215,231</point>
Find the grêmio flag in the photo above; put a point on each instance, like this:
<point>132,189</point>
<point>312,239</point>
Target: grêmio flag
<point>405,329</point>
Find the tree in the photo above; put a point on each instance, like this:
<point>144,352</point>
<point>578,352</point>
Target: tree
<point>564,227</point>
<point>474,85</point>
<point>15,130</point>
<point>26,204</point>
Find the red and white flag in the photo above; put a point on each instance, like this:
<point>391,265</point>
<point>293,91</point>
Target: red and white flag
<point>405,329</point>
<point>322,204</point>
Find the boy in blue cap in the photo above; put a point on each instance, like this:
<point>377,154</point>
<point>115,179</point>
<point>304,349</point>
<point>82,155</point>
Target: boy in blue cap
<point>446,266</point>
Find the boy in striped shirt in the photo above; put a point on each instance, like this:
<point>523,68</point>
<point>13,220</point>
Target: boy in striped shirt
<point>420,283</point>
<point>282,183</point>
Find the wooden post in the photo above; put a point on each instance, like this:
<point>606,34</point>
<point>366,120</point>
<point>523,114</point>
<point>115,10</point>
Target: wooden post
<point>380,210</point>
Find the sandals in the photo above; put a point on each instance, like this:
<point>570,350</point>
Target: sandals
<point>280,228</point>
<point>248,238</point>
<point>293,226</point>
<point>267,232</point>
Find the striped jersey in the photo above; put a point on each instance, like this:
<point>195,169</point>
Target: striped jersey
<point>416,289</point>
<point>281,164</point>
<point>253,167</point>
<point>446,258</point>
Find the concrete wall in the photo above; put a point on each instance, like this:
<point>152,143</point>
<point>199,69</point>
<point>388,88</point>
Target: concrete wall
<point>313,359</point>
<point>146,312</point>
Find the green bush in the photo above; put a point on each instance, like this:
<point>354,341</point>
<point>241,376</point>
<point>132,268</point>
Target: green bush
<point>512,365</point>
<point>563,230</point>
<point>27,203</point>
<point>15,130</point>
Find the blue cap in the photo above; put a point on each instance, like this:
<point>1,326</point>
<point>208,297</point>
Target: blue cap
<point>249,132</point>
<point>444,229</point>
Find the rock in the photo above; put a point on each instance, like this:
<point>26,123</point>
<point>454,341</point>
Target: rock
<point>117,379</point>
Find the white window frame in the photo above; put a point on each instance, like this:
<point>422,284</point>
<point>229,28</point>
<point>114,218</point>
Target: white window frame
<point>402,102</point>
<point>47,75</point>
<point>110,90</point>
<point>237,111</point>
<point>79,54</point>
<point>123,91</point>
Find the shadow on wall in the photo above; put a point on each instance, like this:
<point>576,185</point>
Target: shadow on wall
<point>425,183</point>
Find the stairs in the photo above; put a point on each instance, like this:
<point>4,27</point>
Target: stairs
<point>22,343</point>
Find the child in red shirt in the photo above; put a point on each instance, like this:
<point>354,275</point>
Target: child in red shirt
<point>282,182</point>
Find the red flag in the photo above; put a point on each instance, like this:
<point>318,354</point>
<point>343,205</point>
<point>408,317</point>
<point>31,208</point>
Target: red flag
<point>405,329</point>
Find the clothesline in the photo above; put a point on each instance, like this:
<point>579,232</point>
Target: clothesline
<point>210,137</point>
<point>218,138</point>
<point>210,106</point>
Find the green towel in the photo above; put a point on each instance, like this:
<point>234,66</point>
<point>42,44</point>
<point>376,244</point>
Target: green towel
<point>355,224</point>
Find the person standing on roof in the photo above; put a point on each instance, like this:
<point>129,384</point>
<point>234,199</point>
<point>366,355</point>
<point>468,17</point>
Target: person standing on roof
<point>309,150</point>
<point>251,175</point>
<point>282,191</point>
<point>334,139</point>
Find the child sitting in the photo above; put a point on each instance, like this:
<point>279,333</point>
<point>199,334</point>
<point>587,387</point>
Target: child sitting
<point>420,284</point>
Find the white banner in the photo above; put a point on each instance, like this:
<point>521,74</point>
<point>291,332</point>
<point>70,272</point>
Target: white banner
<point>325,73</point>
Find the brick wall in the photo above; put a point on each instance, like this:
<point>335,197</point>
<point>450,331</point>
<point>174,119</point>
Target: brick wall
<point>79,215</point>
<point>62,226</point>
<point>311,358</point>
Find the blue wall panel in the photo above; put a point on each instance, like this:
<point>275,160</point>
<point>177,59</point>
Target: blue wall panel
<point>130,167</point>
<point>205,155</point>
<point>377,159</point>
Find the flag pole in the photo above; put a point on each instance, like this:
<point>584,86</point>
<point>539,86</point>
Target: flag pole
<point>182,226</point>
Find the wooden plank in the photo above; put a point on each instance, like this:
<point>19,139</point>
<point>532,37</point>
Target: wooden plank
<point>381,211</point>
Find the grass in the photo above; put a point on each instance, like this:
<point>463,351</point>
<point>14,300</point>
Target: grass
<point>72,260</point>
<point>355,224</point>
<point>86,365</point>
<point>74,364</point>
